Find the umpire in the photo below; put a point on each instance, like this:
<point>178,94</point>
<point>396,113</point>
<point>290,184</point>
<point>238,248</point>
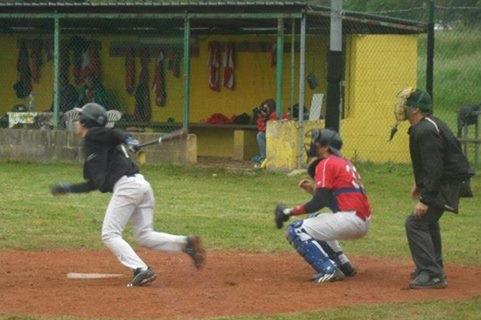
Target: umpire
<point>439,169</point>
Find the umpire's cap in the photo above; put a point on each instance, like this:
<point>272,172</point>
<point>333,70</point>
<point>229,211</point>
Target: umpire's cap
<point>92,115</point>
<point>329,138</point>
<point>420,99</point>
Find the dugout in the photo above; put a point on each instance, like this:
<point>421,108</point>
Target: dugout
<point>164,64</point>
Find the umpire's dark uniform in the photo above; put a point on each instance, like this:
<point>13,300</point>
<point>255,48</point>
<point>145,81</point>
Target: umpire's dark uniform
<point>439,169</point>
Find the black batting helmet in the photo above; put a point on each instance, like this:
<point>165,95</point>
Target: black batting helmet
<point>325,137</point>
<point>92,115</point>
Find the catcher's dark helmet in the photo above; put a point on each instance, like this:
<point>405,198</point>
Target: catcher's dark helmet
<point>325,137</point>
<point>92,115</point>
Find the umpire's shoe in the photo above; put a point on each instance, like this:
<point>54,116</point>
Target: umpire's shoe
<point>426,281</point>
<point>328,277</point>
<point>142,277</point>
<point>194,249</point>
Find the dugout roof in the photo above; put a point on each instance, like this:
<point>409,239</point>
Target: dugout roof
<point>264,20</point>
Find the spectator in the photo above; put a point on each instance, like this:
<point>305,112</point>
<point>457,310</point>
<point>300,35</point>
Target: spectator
<point>263,113</point>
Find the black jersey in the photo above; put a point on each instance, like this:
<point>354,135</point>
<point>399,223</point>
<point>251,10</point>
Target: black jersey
<point>436,157</point>
<point>106,160</point>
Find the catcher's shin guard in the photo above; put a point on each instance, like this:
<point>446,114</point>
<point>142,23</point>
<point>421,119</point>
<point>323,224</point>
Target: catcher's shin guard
<point>339,258</point>
<point>310,249</point>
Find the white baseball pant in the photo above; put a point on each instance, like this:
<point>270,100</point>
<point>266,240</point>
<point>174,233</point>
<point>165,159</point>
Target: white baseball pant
<point>133,200</point>
<point>330,227</point>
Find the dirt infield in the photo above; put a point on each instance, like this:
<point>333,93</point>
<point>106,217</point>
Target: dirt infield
<point>232,283</point>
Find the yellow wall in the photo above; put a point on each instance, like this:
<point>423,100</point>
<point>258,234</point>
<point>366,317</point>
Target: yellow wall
<point>254,77</point>
<point>282,142</point>
<point>377,67</point>
<point>8,65</point>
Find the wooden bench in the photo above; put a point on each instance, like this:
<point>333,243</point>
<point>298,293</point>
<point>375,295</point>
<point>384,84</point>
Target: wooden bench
<point>236,141</point>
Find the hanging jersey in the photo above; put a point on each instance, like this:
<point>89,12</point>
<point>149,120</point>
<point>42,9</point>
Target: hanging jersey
<point>341,177</point>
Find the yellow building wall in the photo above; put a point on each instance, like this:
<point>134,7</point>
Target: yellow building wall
<point>377,67</point>
<point>42,91</point>
<point>254,78</point>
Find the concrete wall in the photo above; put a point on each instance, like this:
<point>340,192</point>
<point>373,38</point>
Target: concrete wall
<point>63,146</point>
<point>282,142</point>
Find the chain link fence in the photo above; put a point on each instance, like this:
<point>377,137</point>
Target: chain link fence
<point>136,69</point>
<point>457,53</point>
<point>132,67</point>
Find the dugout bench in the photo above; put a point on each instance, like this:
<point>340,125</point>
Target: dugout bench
<point>235,141</point>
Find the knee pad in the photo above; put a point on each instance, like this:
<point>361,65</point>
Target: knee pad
<point>309,249</point>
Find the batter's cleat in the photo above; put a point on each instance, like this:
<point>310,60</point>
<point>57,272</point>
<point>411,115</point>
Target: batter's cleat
<point>426,281</point>
<point>348,269</point>
<point>142,277</point>
<point>195,251</point>
<point>337,275</point>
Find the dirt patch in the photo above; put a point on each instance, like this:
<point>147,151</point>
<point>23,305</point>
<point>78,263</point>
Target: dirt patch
<point>232,283</point>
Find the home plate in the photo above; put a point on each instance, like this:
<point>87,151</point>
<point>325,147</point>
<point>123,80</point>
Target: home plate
<point>91,276</point>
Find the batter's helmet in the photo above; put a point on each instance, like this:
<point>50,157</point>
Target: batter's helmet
<point>325,137</point>
<point>92,115</point>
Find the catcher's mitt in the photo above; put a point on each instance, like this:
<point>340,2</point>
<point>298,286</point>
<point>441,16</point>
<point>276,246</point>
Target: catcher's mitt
<point>279,216</point>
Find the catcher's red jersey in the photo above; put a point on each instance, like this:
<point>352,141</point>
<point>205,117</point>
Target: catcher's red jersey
<point>341,177</point>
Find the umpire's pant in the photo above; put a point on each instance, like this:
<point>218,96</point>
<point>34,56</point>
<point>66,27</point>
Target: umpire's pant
<point>424,239</point>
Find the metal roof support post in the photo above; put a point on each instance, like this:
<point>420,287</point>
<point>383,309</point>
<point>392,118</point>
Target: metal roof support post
<point>302,73</point>
<point>293,67</point>
<point>334,67</point>
<point>186,73</point>
<point>56,64</point>
<point>279,65</point>
<point>430,51</point>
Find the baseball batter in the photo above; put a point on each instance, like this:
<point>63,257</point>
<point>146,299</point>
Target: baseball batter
<point>338,187</point>
<point>108,168</point>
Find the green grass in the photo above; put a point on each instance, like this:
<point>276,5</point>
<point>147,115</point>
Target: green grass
<point>454,310</point>
<point>434,310</point>
<point>457,71</point>
<point>233,211</point>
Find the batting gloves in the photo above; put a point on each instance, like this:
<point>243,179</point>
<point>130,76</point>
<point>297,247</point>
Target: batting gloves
<point>132,144</point>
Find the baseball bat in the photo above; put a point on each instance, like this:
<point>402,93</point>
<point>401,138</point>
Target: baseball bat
<point>177,134</point>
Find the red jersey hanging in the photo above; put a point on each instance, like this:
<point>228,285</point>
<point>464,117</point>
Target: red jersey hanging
<point>214,66</point>
<point>229,65</point>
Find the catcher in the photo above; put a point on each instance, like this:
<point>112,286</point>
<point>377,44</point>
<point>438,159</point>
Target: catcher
<point>108,168</point>
<point>337,186</point>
